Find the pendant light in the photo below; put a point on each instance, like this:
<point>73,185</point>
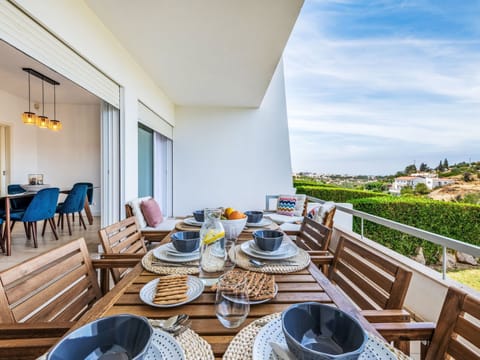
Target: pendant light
<point>55,124</point>
<point>29,117</point>
<point>42,121</point>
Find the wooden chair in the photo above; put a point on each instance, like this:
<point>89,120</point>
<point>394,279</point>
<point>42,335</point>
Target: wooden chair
<point>456,335</point>
<point>369,279</point>
<point>43,297</point>
<point>122,238</point>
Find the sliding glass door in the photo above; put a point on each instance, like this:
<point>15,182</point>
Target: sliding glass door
<point>145,161</point>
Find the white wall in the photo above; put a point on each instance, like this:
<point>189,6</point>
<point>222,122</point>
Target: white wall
<point>232,157</point>
<point>74,23</point>
<point>65,157</point>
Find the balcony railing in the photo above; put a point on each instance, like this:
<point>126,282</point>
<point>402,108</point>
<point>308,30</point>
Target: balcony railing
<point>444,241</point>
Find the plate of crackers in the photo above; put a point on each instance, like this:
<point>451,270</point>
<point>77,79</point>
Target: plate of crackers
<point>261,286</point>
<point>171,290</point>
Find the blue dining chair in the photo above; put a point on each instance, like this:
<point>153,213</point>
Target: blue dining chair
<point>73,203</point>
<point>19,204</point>
<point>42,207</point>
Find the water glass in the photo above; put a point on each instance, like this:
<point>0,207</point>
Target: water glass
<point>230,255</point>
<point>231,302</point>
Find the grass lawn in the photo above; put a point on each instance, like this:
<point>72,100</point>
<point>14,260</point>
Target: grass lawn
<point>469,277</point>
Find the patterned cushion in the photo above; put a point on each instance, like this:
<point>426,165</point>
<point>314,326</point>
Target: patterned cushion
<point>151,212</point>
<point>299,204</point>
<point>286,205</point>
<point>319,213</point>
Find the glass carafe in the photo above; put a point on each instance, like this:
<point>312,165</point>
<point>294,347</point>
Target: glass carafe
<point>212,247</point>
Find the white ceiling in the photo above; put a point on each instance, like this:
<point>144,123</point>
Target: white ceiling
<point>204,52</point>
<point>15,81</point>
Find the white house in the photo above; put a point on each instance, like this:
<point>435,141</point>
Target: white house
<point>184,101</point>
<point>431,181</point>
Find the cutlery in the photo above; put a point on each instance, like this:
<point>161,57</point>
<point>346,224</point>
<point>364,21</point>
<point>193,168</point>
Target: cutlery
<point>259,263</point>
<point>280,351</point>
<point>172,324</point>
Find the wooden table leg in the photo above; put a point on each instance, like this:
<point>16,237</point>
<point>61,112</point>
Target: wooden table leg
<point>88,211</point>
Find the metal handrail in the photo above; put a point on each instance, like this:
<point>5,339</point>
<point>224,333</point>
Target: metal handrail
<point>444,241</point>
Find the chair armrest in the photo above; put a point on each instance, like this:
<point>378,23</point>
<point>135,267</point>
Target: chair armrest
<point>121,256</point>
<point>412,331</point>
<point>114,263</point>
<point>386,316</point>
<point>320,259</point>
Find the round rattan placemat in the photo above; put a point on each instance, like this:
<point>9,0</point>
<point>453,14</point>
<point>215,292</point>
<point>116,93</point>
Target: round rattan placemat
<point>194,346</point>
<point>302,260</point>
<point>241,346</point>
<point>148,259</point>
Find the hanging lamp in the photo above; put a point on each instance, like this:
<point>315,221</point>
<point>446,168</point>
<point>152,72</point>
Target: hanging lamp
<point>29,117</point>
<point>42,121</point>
<point>54,124</point>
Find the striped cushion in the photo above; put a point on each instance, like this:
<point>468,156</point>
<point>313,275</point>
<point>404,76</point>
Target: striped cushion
<point>286,206</point>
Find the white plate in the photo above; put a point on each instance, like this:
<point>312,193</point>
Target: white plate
<point>162,253</point>
<point>275,291</point>
<point>153,353</point>
<point>168,347</point>
<point>374,349</point>
<point>191,221</point>
<point>286,246</point>
<point>292,250</point>
<point>174,252</point>
<point>195,289</point>
<point>261,223</point>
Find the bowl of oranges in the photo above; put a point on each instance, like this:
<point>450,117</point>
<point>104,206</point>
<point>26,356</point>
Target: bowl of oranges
<point>233,222</point>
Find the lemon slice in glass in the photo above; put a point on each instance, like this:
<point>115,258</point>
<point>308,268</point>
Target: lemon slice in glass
<point>213,235</point>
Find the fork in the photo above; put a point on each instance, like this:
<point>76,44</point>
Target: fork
<point>161,263</point>
<point>259,263</point>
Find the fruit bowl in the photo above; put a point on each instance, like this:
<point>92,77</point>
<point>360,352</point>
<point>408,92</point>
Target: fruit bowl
<point>233,228</point>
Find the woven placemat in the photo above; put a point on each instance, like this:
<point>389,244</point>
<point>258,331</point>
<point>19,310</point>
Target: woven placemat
<point>302,260</point>
<point>241,346</point>
<point>166,270</point>
<point>194,346</point>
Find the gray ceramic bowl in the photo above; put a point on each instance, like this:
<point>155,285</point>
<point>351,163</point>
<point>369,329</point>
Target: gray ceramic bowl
<point>186,241</point>
<point>315,331</point>
<point>122,336</point>
<point>199,215</point>
<point>268,240</point>
<point>254,216</point>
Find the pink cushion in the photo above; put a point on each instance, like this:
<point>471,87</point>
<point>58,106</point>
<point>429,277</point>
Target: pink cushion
<point>151,212</point>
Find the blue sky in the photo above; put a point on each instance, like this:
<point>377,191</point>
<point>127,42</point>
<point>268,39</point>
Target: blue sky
<point>373,86</point>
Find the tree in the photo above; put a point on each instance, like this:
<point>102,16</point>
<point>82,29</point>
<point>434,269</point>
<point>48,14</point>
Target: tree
<point>423,167</point>
<point>406,190</point>
<point>439,167</point>
<point>445,164</point>
<point>410,169</point>
<point>421,189</point>
<point>467,176</point>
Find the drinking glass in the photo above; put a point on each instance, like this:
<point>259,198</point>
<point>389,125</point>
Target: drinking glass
<point>230,255</point>
<point>231,302</point>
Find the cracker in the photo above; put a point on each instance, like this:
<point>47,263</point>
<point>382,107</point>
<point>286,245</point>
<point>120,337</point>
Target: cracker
<point>171,289</point>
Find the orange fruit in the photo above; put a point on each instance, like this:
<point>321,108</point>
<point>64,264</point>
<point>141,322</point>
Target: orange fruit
<point>228,211</point>
<point>235,215</point>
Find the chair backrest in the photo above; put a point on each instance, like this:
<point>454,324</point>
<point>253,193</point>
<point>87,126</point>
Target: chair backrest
<point>75,200</point>
<point>457,333</point>
<point>369,279</point>
<point>89,191</point>
<point>58,285</point>
<point>123,237</point>
<point>313,235</point>
<point>13,189</point>
<point>42,206</point>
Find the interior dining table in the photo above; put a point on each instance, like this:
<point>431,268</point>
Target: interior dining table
<point>6,198</point>
<point>306,285</point>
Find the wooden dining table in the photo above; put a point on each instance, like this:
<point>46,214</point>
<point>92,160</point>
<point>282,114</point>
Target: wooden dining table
<point>309,284</point>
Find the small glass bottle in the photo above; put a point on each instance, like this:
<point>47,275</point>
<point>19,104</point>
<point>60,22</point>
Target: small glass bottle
<point>212,247</point>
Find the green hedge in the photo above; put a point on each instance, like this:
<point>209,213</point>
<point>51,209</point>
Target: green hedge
<point>455,220</point>
<point>336,194</point>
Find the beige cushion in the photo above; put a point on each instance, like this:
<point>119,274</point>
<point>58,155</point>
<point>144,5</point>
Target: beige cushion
<point>165,225</point>
<point>323,211</point>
